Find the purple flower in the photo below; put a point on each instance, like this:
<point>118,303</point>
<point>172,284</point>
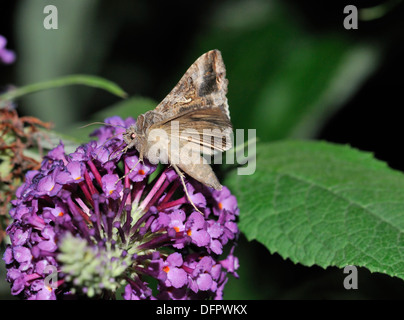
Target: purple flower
<point>6,56</point>
<point>173,273</point>
<point>94,224</point>
<point>225,201</point>
<point>196,229</point>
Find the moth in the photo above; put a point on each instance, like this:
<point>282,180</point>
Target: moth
<point>198,104</point>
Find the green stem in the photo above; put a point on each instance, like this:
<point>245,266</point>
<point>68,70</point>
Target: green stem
<point>78,79</point>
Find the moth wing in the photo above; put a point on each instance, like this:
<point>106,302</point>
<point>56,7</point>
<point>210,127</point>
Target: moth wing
<point>204,131</point>
<point>200,171</point>
<point>204,85</point>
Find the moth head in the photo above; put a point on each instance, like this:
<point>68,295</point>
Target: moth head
<point>134,139</point>
<point>129,136</point>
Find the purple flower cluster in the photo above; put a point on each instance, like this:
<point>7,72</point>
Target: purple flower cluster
<point>6,56</point>
<point>89,225</point>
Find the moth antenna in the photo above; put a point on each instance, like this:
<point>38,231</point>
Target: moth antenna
<point>104,123</point>
<point>130,171</point>
<point>181,175</point>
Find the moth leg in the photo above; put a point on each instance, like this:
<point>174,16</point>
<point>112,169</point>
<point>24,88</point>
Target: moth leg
<point>125,149</point>
<point>179,172</point>
<point>130,145</point>
<point>114,152</point>
<point>181,175</point>
<point>130,171</point>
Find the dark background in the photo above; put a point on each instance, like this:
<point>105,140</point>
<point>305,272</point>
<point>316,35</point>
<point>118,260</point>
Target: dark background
<point>145,46</point>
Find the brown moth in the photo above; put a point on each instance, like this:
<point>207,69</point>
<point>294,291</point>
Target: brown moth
<point>198,102</point>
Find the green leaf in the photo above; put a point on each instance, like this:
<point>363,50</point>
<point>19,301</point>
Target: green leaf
<point>284,80</point>
<point>324,204</point>
<point>53,138</point>
<point>78,79</point>
<point>131,107</point>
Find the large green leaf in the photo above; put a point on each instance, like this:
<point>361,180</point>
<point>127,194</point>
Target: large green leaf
<point>324,204</point>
